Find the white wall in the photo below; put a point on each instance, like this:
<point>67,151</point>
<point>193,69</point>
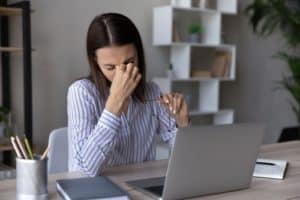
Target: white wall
<point>58,35</point>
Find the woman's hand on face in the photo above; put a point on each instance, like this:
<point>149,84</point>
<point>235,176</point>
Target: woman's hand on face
<point>177,106</point>
<point>124,82</point>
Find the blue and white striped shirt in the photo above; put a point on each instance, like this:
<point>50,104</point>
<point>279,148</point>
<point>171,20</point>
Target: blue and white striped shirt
<point>99,139</point>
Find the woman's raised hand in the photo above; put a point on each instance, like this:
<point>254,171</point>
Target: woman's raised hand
<point>125,80</point>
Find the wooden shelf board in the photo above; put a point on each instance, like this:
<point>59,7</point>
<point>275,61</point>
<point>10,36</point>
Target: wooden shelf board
<point>11,49</point>
<point>6,11</point>
<point>206,45</point>
<point>195,9</point>
<point>198,79</point>
<point>9,11</point>
<point>196,112</point>
<point>6,147</point>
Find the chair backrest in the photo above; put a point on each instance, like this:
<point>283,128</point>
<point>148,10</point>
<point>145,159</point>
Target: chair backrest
<point>58,153</point>
<point>289,134</point>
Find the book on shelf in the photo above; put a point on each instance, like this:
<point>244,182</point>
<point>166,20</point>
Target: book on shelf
<point>221,64</point>
<point>99,187</point>
<point>269,168</point>
<point>200,73</point>
<point>175,33</point>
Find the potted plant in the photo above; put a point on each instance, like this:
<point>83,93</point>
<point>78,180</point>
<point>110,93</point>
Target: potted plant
<point>268,16</point>
<point>5,125</point>
<point>195,30</point>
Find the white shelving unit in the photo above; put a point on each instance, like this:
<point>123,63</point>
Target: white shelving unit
<point>202,93</point>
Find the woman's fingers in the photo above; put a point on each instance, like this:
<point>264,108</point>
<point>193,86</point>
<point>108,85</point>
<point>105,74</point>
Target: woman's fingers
<point>135,82</point>
<point>165,99</point>
<point>176,105</point>
<point>122,68</point>
<point>135,72</point>
<point>129,69</point>
<point>173,102</point>
<point>137,79</point>
<point>178,102</point>
<point>168,101</point>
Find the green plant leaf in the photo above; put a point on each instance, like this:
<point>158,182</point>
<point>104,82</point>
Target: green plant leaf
<point>195,28</point>
<point>268,16</point>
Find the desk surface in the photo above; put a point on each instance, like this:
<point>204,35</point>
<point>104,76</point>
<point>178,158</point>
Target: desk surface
<point>261,188</point>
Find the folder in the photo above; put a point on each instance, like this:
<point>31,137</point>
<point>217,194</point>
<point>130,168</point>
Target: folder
<point>99,187</point>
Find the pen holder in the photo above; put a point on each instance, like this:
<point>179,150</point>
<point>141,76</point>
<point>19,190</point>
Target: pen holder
<point>31,179</point>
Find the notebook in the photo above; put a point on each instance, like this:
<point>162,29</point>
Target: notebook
<point>90,188</point>
<point>269,168</point>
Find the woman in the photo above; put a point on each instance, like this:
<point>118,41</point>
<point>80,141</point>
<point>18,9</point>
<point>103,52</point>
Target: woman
<point>113,114</point>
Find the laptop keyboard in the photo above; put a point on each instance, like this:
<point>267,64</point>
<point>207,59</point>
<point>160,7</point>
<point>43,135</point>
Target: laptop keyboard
<point>152,185</point>
<point>158,190</point>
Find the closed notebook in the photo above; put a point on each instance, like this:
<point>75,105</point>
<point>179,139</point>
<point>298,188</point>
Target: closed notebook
<point>90,188</point>
<point>269,168</point>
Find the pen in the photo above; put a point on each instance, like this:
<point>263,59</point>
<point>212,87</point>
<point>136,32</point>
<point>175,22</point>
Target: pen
<point>13,142</point>
<point>265,163</point>
<point>21,147</point>
<point>45,153</point>
<point>28,147</point>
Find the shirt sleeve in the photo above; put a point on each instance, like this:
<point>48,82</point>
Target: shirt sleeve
<point>92,139</point>
<point>167,124</point>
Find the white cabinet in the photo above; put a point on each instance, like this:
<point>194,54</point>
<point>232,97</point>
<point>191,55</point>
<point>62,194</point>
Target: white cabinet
<point>199,67</point>
<point>168,18</point>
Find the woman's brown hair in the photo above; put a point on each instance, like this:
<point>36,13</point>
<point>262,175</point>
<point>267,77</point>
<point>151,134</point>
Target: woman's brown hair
<point>113,29</point>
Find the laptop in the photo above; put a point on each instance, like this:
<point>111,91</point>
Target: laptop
<point>207,160</point>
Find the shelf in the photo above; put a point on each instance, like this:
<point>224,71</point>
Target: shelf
<point>204,45</point>
<point>220,117</point>
<point>199,79</point>
<point>176,23</point>
<point>200,96</point>
<point>23,11</point>
<point>212,11</point>
<point>221,6</point>
<point>9,11</point>
<point>6,147</point>
<point>196,112</point>
<point>11,49</point>
<point>193,79</point>
<point>5,11</point>
<point>227,46</point>
<point>199,65</point>
<point>187,57</point>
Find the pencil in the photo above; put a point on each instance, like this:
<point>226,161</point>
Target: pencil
<point>21,146</point>
<point>13,142</point>
<point>28,147</point>
<point>45,153</point>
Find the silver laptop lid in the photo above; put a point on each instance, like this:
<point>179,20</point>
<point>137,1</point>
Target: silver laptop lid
<point>212,159</point>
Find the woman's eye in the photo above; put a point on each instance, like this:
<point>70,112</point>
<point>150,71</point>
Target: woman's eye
<point>110,67</point>
<point>126,63</point>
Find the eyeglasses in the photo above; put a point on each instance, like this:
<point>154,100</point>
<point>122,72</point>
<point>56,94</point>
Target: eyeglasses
<point>156,116</point>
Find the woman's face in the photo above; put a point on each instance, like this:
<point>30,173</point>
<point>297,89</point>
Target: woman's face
<point>109,57</point>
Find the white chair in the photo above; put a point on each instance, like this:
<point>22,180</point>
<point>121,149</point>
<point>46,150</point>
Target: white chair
<point>58,153</point>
